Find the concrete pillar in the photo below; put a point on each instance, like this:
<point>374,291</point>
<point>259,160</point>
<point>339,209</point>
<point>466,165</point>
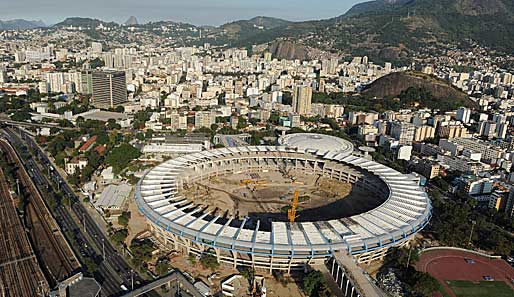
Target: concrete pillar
<point>234,257</point>
<point>289,265</point>
<point>218,254</point>
<point>337,273</point>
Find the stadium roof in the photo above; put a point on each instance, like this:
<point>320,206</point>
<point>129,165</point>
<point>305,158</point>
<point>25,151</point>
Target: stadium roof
<point>312,141</point>
<point>406,210</point>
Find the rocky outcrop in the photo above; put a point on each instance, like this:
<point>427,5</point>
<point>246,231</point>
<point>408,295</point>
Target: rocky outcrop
<point>283,49</point>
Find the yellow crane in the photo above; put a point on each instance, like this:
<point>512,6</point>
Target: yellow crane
<point>291,213</point>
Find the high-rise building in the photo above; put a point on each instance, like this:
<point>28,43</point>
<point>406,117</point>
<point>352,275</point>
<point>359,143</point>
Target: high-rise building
<point>403,132</point>
<point>3,75</point>
<point>234,121</point>
<point>96,47</point>
<point>423,133</point>
<point>509,208</point>
<point>498,199</point>
<point>487,129</point>
<point>87,82</point>
<point>464,114</point>
<point>178,121</point>
<point>204,119</point>
<point>109,88</point>
<point>302,99</point>
<point>55,82</point>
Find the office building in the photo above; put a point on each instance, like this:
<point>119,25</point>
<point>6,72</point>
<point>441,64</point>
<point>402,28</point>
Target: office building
<point>302,100</point>
<point>109,88</point>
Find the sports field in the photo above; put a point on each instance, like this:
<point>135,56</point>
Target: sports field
<point>480,289</point>
<point>465,274</point>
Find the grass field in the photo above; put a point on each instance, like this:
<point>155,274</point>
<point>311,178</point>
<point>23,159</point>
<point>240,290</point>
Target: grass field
<point>442,290</point>
<point>482,289</point>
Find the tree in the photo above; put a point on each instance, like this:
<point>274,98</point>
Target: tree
<point>314,284</point>
<point>119,236</point>
<point>149,134</point>
<point>124,218</point>
<point>242,123</point>
<point>111,125</point>
<point>121,156</point>
<point>97,63</point>
<point>91,265</point>
<point>65,123</point>
<point>140,136</point>
<point>209,261</point>
<point>141,251</point>
<point>21,116</point>
<point>162,267</point>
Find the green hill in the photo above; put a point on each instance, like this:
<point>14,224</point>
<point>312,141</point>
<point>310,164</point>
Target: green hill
<point>414,89</point>
<point>389,30</point>
<point>84,22</point>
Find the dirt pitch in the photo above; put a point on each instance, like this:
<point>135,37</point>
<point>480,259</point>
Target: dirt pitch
<point>454,265</point>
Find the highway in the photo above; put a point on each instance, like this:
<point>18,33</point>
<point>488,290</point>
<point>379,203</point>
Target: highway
<point>114,271</point>
<point>34,125</point>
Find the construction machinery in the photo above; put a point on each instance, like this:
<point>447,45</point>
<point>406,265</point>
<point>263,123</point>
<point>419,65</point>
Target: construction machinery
<point>291,213</point>
<point>246,182</point>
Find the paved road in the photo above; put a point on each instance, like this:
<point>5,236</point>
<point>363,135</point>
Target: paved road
<point>114,271</point>
<point>37,125</point>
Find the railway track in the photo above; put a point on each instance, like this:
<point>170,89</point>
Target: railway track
<point>59,261</point>
<point>20,273</point>
<point>113,271</point>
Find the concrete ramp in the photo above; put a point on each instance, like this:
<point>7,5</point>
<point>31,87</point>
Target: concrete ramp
<point>351,279</point>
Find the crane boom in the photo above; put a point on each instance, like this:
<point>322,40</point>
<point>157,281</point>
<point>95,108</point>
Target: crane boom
<point>291,213</point>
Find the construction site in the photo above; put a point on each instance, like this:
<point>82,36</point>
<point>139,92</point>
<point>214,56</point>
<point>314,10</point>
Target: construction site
<point>269,195</point>
<point>278,207</point>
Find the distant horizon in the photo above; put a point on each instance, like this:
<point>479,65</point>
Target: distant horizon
<point>199,13</point>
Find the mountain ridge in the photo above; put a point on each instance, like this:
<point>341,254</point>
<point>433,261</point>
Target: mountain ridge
<point>20,24</point>
<point>384,30</point>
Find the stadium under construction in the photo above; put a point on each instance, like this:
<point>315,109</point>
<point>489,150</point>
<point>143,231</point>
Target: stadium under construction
<point>262,235</point>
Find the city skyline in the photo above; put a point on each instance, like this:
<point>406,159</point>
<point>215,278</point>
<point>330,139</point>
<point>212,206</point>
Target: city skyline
<point>201,12</point>
<point>244,148</point>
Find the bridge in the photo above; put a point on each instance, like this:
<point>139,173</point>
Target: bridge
<point>351,279</point>
<point>36,125</point>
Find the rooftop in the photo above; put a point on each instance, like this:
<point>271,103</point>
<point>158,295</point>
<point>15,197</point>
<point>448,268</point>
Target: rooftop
<point>312,141</point>
<point>113,196</point>
<point>100,115</point>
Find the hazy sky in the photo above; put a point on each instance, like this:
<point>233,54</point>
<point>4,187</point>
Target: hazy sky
<point>199,12</point>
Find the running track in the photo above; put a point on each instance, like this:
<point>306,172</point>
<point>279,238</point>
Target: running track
<point>451,265</point>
